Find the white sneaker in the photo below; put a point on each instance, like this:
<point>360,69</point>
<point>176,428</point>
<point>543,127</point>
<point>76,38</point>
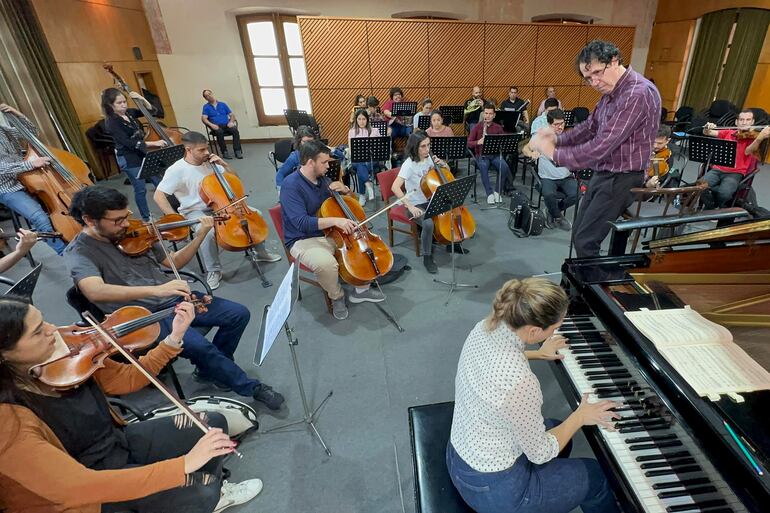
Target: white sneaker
<point>498,199</point>
<point>491,199</point>
<point>362,199</point>
<point>369,190</point>
<point>234,494</point>
<point>213,278</point>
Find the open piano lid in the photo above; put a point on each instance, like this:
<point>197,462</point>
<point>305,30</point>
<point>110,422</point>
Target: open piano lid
<point>755,230</point>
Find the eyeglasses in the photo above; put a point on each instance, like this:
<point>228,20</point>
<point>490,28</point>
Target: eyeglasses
<point>118,220</point>
<point>558,124</point>
<point>595,74</point>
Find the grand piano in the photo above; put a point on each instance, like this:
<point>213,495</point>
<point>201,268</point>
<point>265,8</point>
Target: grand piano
<point>673,451</point>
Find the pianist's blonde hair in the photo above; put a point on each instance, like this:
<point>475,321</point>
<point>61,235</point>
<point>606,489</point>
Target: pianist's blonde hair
<point>528,302</point>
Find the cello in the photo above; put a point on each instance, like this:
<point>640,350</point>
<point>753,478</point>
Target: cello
<point>157,131</point>
<point>55,184</point>
<point>242,228</point>
<point>362,256</point>
<point>460,217</point>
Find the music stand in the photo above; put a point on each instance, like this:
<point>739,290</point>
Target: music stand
<point>381,126</point>
<point>371,150</point>
<point>508,119</point>
<point>156,162</point>
<point>450,148</point>
<point>711,151</point>
<point>569,118</point>
<point>333,173</point>
<point>275,318</point>
<point>583,177</point>
<point>404,109</point>
<point>499,145</point>
<point>293,118</point>
<point>447,197</point>
<point>453,112</point>
<point>423,122</point>
<point>25,286</point>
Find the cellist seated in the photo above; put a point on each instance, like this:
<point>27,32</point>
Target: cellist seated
<point>302,194</point>
<point>183,179</point>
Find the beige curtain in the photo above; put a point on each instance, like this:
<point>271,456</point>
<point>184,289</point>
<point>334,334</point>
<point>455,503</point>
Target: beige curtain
<point>744,54</point>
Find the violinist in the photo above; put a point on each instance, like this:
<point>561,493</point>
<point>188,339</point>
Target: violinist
<point>130,147</point>
<point>67,450</point>
<point>656,175</point>
<point>723,181</point>
<point>302,194</point>
<point>27,239</point>
<point>110,279</point>
<point>487,126</point>
<point>12,163</point>
<point>183,179</point>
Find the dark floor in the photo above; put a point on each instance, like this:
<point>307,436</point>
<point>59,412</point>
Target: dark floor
<point>376,372</point>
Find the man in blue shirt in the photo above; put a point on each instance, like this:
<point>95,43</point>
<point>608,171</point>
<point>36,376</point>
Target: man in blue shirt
<point>302,194</point>
<point>221,121</point>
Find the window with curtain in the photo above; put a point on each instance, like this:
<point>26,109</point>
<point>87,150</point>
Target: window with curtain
<point>273,50</point>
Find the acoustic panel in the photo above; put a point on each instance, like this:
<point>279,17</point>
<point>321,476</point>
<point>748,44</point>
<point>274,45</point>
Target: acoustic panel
<point>622,37</point>
<point>455,46</point>
<point>334,62</point>
<point>509,52</point>
<point>331,108</point>
<point>557,47</point>
<point>449,95</point>
<point>589,97</point>
<point>392,65</point>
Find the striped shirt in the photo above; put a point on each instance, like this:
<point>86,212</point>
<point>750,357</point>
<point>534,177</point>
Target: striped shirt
<point>12,157</point>
<point>619,134</point>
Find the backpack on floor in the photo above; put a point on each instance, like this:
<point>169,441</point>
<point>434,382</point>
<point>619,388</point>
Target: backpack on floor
<point>524,219</point>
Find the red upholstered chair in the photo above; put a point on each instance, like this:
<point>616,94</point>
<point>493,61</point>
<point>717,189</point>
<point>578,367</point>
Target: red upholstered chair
<point>275,215</point>
<point>399,213</point>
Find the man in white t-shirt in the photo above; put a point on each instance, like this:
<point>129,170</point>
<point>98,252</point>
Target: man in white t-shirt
<point>182,180</point>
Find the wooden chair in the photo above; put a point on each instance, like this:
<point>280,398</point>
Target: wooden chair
<point>399,213</point>
<point>275,215</point>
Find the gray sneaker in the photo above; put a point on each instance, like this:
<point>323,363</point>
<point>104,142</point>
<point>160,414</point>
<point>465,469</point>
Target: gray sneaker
<point>339,310</point>
<point>563,224</point>
<point>266,256</point>
<point>372,295</point>
<point>213,278</point>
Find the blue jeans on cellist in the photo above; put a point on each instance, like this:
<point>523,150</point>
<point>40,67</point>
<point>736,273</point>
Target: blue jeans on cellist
<point>557,486</point>
<point>140,186</point>
<point>27,207</point>
<point>214,359</point>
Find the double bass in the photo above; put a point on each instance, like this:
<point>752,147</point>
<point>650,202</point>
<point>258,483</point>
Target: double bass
<point>157,131</point>
<point>55,184</point>
<point>460,217</point>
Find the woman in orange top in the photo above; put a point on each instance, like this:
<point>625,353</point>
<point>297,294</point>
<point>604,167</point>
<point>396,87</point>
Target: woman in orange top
<point>65,451</point>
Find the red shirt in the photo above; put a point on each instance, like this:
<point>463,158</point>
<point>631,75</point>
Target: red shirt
<point>743,162</point>
<point>478,131</point>
<point>388,105</point>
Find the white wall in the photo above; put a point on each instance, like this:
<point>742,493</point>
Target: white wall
<point>207,53</point>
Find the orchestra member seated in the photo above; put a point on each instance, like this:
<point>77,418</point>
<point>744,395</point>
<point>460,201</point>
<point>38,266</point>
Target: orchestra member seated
<point>360,103</point>
<point>661,143</point>
<point>558,186</point>
<point>472,108</point>
<point>397,124</point>
<point>65,451</point>
<point>437,127</point>
<point>110,279</point>
<point>301,196</point>
<point>373,108</point>
<point>27,239</point>
<point>301,136</point>
<point>542,121</point>
<point>183,180</point>
<point>516,104</point>
<point>723,181</point>
<point>503,456</point>
<point>550,92</point>
<point>221,120</point>
<point>12,163</point>
<point>130,147</point>
<point>426,106</point>
<point>476,143</point>
<point>363,170</point>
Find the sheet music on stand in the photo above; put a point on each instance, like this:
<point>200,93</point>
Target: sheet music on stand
<point>404,109</point>
<point>449,148</point>
<point>369,149</point>
<point>276,314</point>
<point>569,118</point>
<point>423,122</point>
<point>508,119</point>
<point>716,152</point>
<point>454,113</point>
<point>156,162</point>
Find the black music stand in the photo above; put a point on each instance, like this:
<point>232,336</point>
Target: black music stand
<point>293,118</point>
<point>453,112</point>
<point>447,197</point>
<point>381,126</point>
<point>450,148</point>
<point>25,286</point>
<point>404,109</point>
<point>500,145</point>
<point>583,177</point>
<point>156,162</point>
<point>569,118</point>
<point>423,122</point>
<point>508,119</point>
<point>371,150</point>
<point>334,171</point>
<point>711,151</point>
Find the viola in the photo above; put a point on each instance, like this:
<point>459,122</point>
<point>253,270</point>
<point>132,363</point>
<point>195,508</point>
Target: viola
<point>659,163</point>
<point>140,236</point>
<point>362,255</point>
<point>460,217</point>
<point>40,235</point>
<point>134,327</point>
<point>55,184</point>
<point>157,130</point>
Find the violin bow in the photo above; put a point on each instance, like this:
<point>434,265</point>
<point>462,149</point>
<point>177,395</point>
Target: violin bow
<point>169,258</point>
<point>152,379</point>
<point>384,209</point>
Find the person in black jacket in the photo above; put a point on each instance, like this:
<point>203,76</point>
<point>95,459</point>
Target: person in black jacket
<point>130,146</point>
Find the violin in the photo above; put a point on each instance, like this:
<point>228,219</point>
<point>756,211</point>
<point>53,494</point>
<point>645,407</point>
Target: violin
<point>55,184</point>
<point>659,163</point>
<point>460,217</point>
<point>362,255</point>
<point>134,327</point>
<point>140,236</point>
<point>157,130</point>
<point>747,132</point>
<point>40,235</point>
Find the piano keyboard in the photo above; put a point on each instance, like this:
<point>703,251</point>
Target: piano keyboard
<point>658,458</point>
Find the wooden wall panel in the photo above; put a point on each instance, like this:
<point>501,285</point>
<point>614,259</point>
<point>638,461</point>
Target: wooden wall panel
<point>455,46</point>
<point>588,97</point>
<point>336,61</point>
<point>390,67</point>
<point>449,95</point>
<point>509,54</point>
<point>557,47</point>
<point>621,37</point>
<point>328,104</point>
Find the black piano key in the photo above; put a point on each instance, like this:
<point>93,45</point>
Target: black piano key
<point>602,350</point>
<point>667,463</point>
<point>605,372</point>
<point>639,429</point>
<point>690,491</point>
<point>599,366</point>
<point>625,375</point>
<point>642,421</point>
<point>655,445</point>
<point>657,438</point>
<point>696,506</point>
<point>668,472</point>
<point>683,483</point>
<point>663,456</point>
<point>597,359</point>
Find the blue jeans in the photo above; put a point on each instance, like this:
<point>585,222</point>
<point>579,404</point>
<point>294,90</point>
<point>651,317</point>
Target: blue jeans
<point>363,172</point>
<point>722,187</point>
<point>214,359</point>
<point>140,186</point>
<point>498,163</point>
<point>28,207</point>
<point>558,486</point>
<point>399,130</point>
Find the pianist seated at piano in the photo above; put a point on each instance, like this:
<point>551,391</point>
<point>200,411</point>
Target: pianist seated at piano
<point>503,456</point>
